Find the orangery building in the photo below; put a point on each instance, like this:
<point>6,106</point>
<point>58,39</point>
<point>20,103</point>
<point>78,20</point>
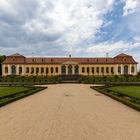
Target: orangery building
<point>18,64</point>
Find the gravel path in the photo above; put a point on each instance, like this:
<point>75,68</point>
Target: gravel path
<point>68,112</point>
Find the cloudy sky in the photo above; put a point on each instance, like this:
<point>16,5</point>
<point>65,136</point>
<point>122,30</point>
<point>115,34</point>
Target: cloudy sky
<point>60,27</point>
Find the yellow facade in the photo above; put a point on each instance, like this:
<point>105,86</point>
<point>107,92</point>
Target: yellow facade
<point>89,69</point>
<point>19,65</point>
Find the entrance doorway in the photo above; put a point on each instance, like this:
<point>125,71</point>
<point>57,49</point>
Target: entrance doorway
<point>70,70</point>
<point>126,69</point>
<point>13,70</point>
<point>76,70</point>
<point>63,70</point>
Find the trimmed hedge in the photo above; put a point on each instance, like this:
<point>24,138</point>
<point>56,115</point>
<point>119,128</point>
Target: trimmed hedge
<point>120,99</point>
<point>11,98</point>
<point>110,79</point>
<point>30,80</point>
<point>37,80</point>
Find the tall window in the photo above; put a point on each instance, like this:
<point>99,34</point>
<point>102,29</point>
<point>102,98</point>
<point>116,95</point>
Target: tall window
<point>13,68</point>
<point>83,69</point>
<point>97,69</point>
<point>42,70</point>
<point>92,70</point>
<point>76,69</point>
<point>119,69</point>
<point>20,70</point>
<point>88,70</point>
<point>51,69</point>
<point>70,69</point>
<point>47,70</point>
<point>132,69</point>
<point>6,69</point>
<point>27,70</point>
<point>102,69</point>
<point>112,70</point>
<point>56,69</point>
<point>32,70</point>
<point>107,69</point>
<point>125,69</point>
<point>63,69</point>
<point>37,70</point>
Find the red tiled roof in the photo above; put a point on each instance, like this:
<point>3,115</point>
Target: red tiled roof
<point>16,55</point>
<point>122,55</point>
<point>20,59</point>
<point>124,58</point>
<point>62,60</point>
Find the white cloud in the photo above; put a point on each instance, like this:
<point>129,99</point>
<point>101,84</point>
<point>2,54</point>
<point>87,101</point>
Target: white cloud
<point>76,19</point>
<point>130,6</point>
<point>112,48</point>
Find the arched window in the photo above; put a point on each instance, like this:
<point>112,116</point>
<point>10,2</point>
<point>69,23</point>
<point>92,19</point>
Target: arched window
<point>76,69</point>
<point>63,69</point>
<point>125,69</point>
<point>70,69</point>
<point>97,69</point>
<point>37,70</point>
<point>119,69</point>
<point>13,68</point>
<point>92,70</point>
<point>27,69</point>
<point>88,70</point>
<point>6,69</point>
<point>56,69</point>
<point>107,69</point>
<point>51,69</point>
<point>47,70</point>
<point>42,70</point>
<point>112,70</point>
<point>102,69</point>
<point>20,70</point>
<point>32,70</point>
<point>83,69</point>
<point>132,69</point>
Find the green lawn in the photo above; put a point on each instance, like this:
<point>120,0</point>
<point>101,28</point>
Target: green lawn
<point>132,91</point>
<point>11,94</point>
<point>4,91</point>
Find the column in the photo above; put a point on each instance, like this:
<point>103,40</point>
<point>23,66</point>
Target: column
<point>23,70</point>
<point>73,69</point>
<point>122,69</point>
<point>135,69</point>
<point>3,70</point>
<point>116,70</point>
<point>130,69</point>
<point>9,70</point>
<point>66,69</point>
<point>17,69</point>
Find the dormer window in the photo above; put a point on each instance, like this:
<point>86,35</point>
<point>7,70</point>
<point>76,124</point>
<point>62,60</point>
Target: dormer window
<point>51,60</point>
<point>33,60</point>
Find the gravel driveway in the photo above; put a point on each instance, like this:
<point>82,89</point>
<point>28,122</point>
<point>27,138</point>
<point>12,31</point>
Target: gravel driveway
<point>68,112</point>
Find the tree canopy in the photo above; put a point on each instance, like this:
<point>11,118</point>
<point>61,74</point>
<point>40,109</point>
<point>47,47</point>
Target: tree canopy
<point>2,58</point>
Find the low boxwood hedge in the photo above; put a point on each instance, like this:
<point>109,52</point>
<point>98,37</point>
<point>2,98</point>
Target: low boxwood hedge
<point>129,103</point>
<point>13,97</point>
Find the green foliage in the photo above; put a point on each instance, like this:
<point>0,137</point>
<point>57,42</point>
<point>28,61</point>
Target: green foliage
<point>110,79</point>
<point>2,58</point>
<point>131,91</point>
<point>31,79</point>
<point>10,94</point>
<point>4,91</point>
<point>126,97</point>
